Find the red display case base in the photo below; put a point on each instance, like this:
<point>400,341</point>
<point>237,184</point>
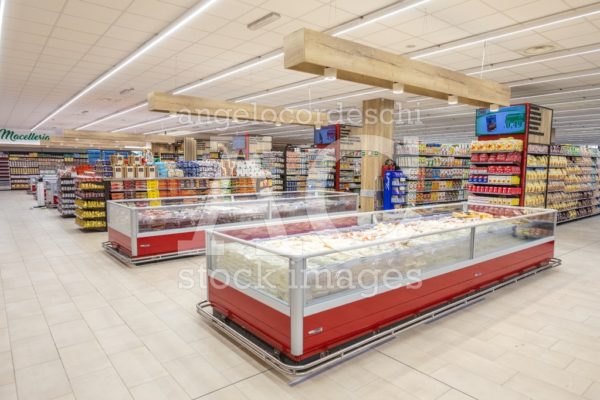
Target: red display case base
<point>351,327</point>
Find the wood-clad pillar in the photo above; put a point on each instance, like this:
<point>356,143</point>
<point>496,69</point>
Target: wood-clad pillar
<point>378,143</point>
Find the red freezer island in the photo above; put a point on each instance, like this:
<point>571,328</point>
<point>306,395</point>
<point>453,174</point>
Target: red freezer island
<point>302,294</point>
<point>145,230</point>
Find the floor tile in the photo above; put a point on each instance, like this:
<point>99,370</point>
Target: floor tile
<point>60,313</point>
<point>160,389</point>
<point>8,392</point>
<point>117,339</point>
<point>83,358</point>
<point>166,345</point>
<point>101,318</point>
<point>6,369</point>
<point>33,350</point>
<point>70,333</point>
<point>195,375</point>
<point>27,327</point>
<point>42,381</point>
<point>101,385</point>
<point>137,366</point>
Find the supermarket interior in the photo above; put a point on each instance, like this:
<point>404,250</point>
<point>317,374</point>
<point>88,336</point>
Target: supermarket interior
<point>271,199</point>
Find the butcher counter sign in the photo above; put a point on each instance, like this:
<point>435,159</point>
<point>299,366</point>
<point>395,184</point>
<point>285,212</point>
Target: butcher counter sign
<point>11,137</point>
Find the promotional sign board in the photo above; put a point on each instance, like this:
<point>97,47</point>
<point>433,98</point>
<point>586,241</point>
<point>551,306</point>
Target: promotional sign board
<point>507,120</point>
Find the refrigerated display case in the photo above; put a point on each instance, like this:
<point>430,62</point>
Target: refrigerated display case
<point>302,293</point>
<point>145,230</point>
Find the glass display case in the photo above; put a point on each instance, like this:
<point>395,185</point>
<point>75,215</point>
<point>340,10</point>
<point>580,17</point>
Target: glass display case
<point>305,287</point>
<point>142,230</point>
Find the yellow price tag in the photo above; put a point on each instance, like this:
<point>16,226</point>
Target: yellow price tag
<point>152,185</point>
<point>154,203</point>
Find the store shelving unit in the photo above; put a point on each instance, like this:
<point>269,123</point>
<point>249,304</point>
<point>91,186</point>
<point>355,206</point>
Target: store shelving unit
<point>66,194</point>
<point>321,168</point>
<point>90,202</point>
<point>578,193</point>
<point>296,169</point>
<point>4,172</point>
<point>349,170</point>
<point>274,161</point>
<point>22,168</point>
<point>435,173</point>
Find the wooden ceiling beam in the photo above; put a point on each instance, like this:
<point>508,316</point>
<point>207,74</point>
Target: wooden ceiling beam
<point>311,51</point>
<point>191,105</point>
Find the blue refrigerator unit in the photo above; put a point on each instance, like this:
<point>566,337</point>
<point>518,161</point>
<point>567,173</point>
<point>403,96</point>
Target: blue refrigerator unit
<point>394,190</point>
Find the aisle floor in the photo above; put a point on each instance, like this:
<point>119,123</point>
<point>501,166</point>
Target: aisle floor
<point>75,324</point>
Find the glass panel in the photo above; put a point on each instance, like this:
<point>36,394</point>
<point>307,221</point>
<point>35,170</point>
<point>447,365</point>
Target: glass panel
<point>119,218</point>
<point>385,266</point>
<point>207,214</point>
<point>245,266</point>
<point>504,235</point>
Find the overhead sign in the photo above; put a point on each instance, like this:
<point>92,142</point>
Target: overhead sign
<point>11,137</point>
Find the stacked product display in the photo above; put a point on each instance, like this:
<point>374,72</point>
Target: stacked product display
<point>574,184</point>
<point>22,168</point>
<point>321,168</point>
<point>66,194</point>
<point>4,172</point>
<point>496,171</point>
<point>274,162</point>
<point>296,169</point>
<point>90,204</point>
<point>537,174</point>
<point>349,170</point>
<point>394,190</point>
<point>435,173</point>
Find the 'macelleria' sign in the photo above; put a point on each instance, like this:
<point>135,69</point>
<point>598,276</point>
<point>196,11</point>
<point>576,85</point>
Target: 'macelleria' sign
<point>11,137</point>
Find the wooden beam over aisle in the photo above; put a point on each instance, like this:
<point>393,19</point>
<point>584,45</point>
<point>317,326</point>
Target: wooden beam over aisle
<point>112,136</point>
<point>311,51</point>
<point>191,105</point>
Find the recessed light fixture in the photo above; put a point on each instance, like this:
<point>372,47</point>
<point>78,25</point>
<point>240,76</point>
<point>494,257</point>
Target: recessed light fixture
<point>537,50</point>
<point>330,74</point>
<point>494,108</point>
<point>263,21</point>
<point>452,99</point>
<point>398,88</point>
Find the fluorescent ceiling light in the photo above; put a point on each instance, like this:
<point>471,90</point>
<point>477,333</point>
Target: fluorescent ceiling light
<point>367,20</point>
<point>534,62</point>
<point>112,116</point>
<point>174,27</point>
<point>282,90</point>
<point>263,21</point>
<point>338,98</point>
<point>145,123</point>
<point>233,71</point>
<point>557,93</point>
<point>2,6</point>
<point>506,34</point>
<point>536,81</point>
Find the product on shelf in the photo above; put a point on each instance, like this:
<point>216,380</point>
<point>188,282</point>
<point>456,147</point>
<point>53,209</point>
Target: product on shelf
<point>296,169</point>
<point>510,145</point>
<point>66,193</point>
<point>350,170</point>
<point>274,162</point>
<point>89,193</point>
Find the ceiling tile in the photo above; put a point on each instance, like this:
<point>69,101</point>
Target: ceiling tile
<point>156,9</point>
<point>82,25</point>
<point>82,9</point>
<point>536,9</point>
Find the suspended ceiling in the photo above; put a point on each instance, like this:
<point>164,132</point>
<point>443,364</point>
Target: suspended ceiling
<point>53,49</point>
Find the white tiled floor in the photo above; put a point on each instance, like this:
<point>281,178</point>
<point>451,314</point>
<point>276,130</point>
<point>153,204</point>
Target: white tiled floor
<point>76,324</point>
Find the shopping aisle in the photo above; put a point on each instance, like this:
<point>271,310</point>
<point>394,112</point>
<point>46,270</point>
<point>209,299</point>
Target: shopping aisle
<point>76,324</point>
